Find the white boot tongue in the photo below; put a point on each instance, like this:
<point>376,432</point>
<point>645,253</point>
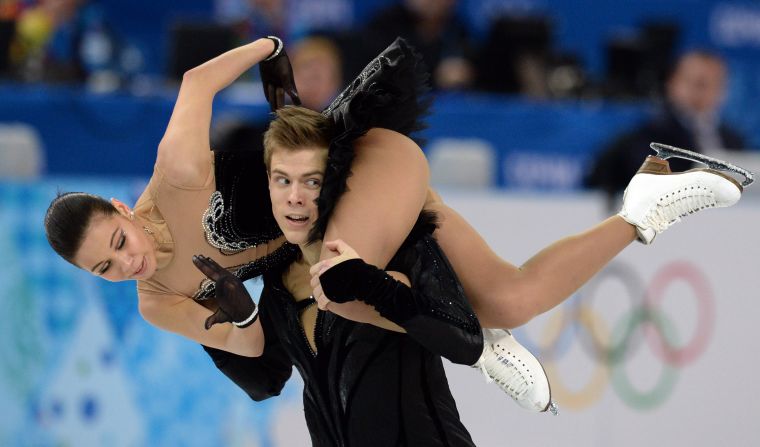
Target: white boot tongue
<point>646,235</point>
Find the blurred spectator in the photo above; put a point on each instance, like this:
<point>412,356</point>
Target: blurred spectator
<point>61,40</point>
<point>287,19</point>
<point>434,29</point>
<point>689,119</point>
<point>518,56</point>
<point>515,56</point>
<point>638,61</point>
<point>317,69</point>
<point>9,12</point>
<point>47,36</point>
<point>316,66</point>
<point>10,9</point>
<point>255,18</point>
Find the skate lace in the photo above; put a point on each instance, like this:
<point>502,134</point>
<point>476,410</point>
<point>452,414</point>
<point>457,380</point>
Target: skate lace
<point>675,205</point>
<point>506,374</point>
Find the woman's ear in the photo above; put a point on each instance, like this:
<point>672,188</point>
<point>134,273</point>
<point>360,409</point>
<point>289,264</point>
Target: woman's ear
<point>122,208</point>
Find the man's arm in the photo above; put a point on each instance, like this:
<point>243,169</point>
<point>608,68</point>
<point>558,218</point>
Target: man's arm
<point>260,377</point>
<point>433,311</point>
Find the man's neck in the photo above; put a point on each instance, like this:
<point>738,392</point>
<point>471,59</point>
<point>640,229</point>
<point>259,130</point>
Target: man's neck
<point>311,252</point>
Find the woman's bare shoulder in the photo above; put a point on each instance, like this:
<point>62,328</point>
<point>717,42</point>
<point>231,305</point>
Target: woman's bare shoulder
<point>179,170</point>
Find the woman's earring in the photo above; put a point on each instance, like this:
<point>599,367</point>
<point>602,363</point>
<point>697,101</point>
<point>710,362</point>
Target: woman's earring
<point>131,215</point>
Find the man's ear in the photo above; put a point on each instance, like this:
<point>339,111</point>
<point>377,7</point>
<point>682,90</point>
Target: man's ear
<point>121,207</point>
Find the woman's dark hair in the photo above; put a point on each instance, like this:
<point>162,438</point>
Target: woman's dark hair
<point>68,217</point>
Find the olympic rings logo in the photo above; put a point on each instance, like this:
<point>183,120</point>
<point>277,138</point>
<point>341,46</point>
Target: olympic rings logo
<point>643,323</point>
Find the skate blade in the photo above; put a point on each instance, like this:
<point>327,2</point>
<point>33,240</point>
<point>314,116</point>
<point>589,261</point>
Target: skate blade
<point>664,151</point>
<point>553,409</point>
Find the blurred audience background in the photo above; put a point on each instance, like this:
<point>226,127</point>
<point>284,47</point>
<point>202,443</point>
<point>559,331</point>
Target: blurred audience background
<point>689,117</point>
<point>538,93</point>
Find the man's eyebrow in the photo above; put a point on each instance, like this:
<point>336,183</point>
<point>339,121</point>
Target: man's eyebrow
<point>110,245</point>
<point>305,174</point>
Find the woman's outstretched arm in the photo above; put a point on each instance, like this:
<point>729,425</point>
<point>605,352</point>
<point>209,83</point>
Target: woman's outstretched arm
<point>183,316</point>
<point>184,154</point>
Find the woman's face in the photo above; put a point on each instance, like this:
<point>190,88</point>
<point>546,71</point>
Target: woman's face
<point>116,249</point>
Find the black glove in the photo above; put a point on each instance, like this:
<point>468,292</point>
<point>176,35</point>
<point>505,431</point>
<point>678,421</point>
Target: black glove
<point>354,279</point>
<point>434,311</point>
<point>235,304</point>
<point>277,77</point>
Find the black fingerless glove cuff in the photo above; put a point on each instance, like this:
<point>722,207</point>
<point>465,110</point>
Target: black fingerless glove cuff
<point>350,280</point>
<point>459,340</point>
<point>356,280</point>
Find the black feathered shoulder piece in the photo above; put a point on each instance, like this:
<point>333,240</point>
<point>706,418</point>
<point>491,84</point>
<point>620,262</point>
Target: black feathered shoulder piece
<point>391,92</point>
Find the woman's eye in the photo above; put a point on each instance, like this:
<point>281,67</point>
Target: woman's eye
<point>105,268</point>
<point>282,181</point>
<point>313,182</point>
<point>121,241</point>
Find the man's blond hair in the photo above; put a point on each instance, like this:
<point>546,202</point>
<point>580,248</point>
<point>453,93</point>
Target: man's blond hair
<point>296,128</point>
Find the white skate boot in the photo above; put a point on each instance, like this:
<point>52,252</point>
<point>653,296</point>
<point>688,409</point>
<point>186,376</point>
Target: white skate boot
<point>656,198</point>
<point>517,372</point>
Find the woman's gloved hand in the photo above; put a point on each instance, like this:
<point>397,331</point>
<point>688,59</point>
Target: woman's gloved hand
<point>277,77</point>
<point>235,304</point>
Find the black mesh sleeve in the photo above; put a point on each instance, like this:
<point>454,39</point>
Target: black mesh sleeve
<point>260,377</point>
<point>434,311</point>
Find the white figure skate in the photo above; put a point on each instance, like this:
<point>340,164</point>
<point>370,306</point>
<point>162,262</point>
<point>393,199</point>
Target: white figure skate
<point>517,372</point>
<point>656,198</point>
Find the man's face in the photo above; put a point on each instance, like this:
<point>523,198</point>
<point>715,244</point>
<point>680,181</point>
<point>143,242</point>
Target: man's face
<point>698,85</point>
<point>295,179</point>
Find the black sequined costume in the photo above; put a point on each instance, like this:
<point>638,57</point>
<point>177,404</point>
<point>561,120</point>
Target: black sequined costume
<point>364,386</point>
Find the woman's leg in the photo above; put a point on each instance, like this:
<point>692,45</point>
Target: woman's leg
<point>386,192</point>
<point>506,296</point>
<point>388,189</point>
